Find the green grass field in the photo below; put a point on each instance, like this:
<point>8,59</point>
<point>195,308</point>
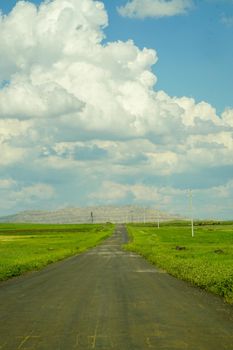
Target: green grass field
<point>205,260</point>
<point>25,247</point>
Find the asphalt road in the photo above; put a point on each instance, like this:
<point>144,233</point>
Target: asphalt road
<point>110,299</point>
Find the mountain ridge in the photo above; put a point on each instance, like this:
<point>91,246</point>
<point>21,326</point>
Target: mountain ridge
<point>95,214</point>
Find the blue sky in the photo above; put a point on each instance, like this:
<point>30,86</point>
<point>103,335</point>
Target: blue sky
<point>195,51</point>
<point>104,121</point>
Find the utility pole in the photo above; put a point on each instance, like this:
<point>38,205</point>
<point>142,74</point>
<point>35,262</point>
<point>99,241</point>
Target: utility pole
<point>191,210</point>
<point>92,218</point>
<point>144,215</point>
<point>158,223</point>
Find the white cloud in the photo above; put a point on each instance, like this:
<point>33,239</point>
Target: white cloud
<point>11,155</point>
<point>155,8</point>
<point>15,193</point>
<point>227,117</point>
<point>6,183</point>
<point>33,193</point>
<point>77,108</point>
<point>112,192</point>
<point>169,198</point>
<point>15,135</point>
<point>21,99</point>
<point>69,75</point>
<point>193,113</point>
<point>42,37</point>
<point>13,128</point>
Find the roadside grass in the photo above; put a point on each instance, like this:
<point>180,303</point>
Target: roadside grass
<point>25,247</point>
<point>205,260</point>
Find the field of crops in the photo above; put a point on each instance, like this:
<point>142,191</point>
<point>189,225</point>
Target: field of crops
<point>205,260</point>
<point>25,247</point>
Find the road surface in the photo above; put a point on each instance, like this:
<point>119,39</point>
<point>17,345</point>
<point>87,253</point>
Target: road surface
<point>110,299</point>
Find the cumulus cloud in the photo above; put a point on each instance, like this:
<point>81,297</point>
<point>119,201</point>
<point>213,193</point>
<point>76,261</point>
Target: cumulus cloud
<point>77,113</point>
<point>22,100</point>
<point>227,117</point>
<point>155,8</point>
<point>13,128</point>
<point>89,87</point>
<point>29,36</point>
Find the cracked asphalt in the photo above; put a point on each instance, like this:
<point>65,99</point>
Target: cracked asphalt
<point>109,299</point>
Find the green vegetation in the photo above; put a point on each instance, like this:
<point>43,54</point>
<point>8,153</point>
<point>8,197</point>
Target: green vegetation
<point>205,260</point>
<point>25,247</point>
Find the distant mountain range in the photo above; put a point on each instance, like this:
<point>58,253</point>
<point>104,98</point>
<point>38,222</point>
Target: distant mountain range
<point>90,214</point>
